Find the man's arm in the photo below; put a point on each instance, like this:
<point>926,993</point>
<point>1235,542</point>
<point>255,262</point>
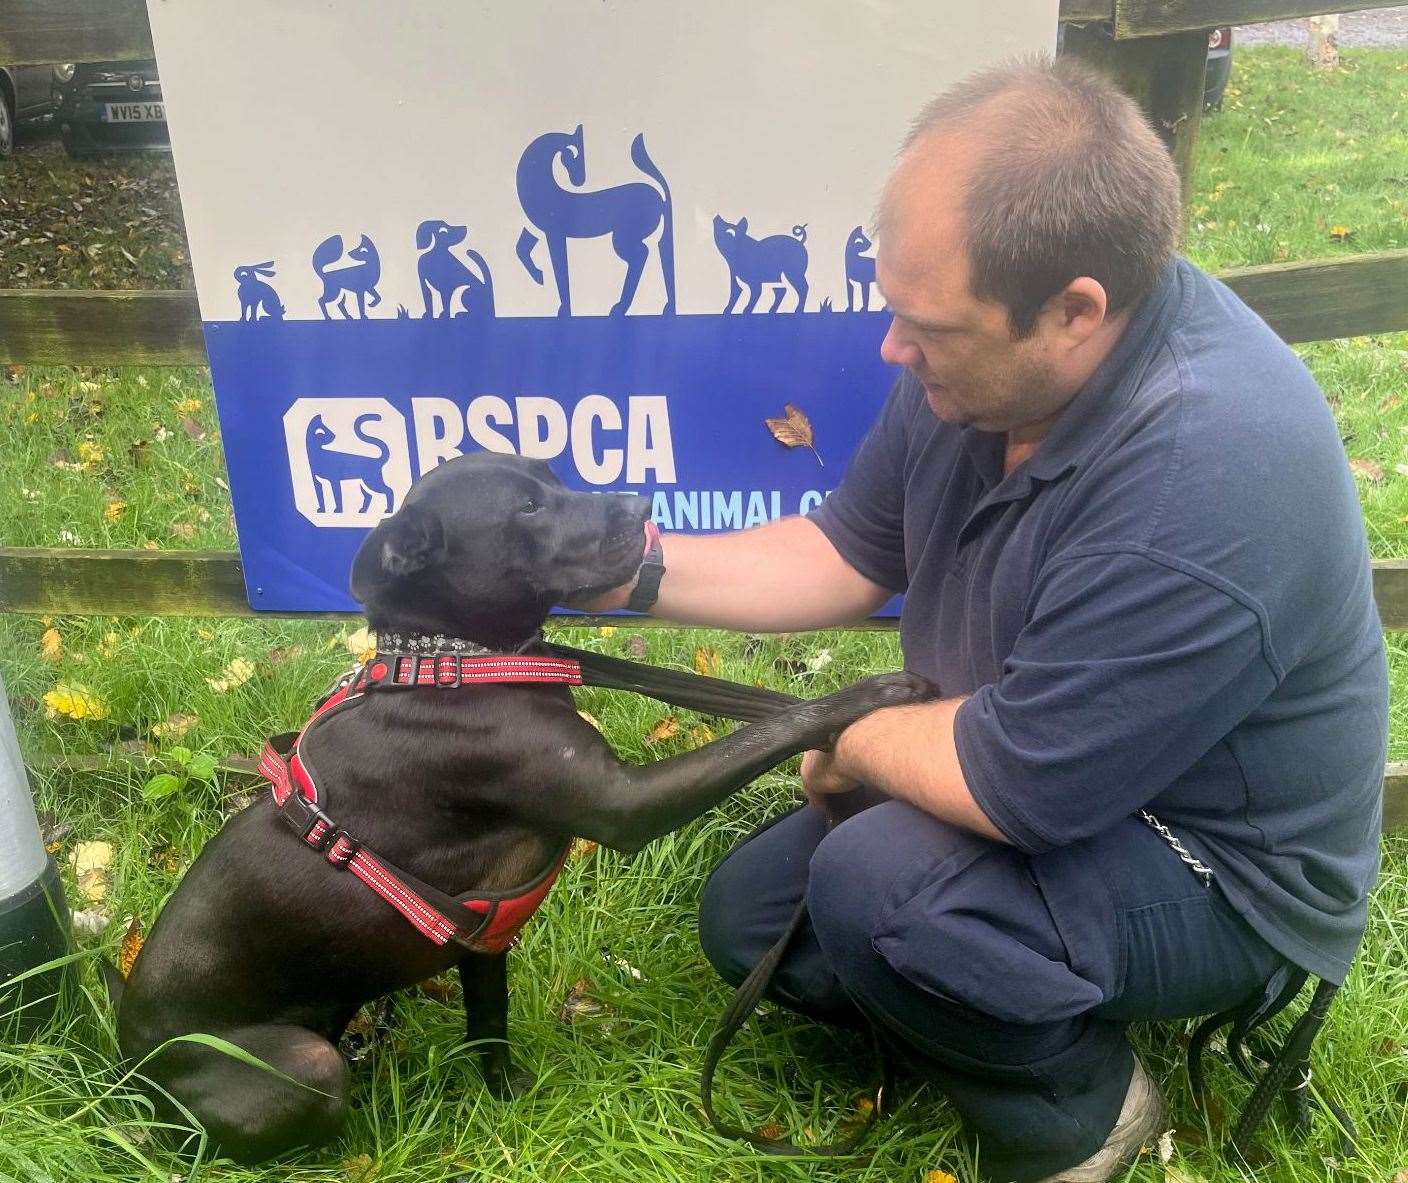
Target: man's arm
<point>785,576</point>
<point>907,753</point>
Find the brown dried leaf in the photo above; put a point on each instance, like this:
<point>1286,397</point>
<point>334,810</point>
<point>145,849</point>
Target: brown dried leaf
<point>773,1132</point>
<point>939,1177</point>
<point>579,1004</point>
<point>166,858</point>
<point>284,653</point>
<point>582,848</point>
<point>1341,233</point>
<point>1368,469</point>
<point>131,946</point>
<point>175,726</point>
<point>91,862</point>
<point>1390,403</point>
<point>184,531</point>
<point>590,718</point>
<point>666,728</point>
<point>192,428</point>
<point>441,988</point>
<point>700,734</point>
<point>636,646</point>
<point>708,662</point>
<point>51,645</point>
<point>794,430</point>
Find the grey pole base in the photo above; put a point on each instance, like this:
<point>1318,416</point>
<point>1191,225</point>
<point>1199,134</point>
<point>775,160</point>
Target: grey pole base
<point>34,928</point>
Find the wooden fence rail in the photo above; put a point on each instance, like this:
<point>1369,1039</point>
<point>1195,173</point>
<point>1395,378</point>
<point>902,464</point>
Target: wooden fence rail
<point>1312,301</point>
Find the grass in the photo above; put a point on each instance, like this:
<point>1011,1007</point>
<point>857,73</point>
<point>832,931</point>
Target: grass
<point>131,458</point>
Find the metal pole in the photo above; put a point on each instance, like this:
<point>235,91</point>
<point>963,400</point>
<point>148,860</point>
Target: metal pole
<point>34,918</point>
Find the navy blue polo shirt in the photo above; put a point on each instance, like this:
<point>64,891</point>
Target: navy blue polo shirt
<point>1167,606</point>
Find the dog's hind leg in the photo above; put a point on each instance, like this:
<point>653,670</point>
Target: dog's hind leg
<point>253,1112</point>
<point>484,977</point>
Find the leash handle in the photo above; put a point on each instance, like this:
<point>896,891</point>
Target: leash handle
<point>744,1003</point>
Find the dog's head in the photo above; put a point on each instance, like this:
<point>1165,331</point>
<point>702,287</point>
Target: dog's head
<point>484,545</point>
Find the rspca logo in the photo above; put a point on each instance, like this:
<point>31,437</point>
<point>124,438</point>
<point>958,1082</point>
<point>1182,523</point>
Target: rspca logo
<point>348,458</point>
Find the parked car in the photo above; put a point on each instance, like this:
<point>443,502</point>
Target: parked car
<point>109,107</point>
<point>1219,67</point>
<point>24,94</point>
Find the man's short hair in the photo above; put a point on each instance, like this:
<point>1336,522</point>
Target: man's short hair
<point>1068,179</point>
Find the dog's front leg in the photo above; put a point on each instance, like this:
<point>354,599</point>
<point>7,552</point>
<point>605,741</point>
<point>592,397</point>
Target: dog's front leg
<point>624,806</point>
<point>484,977</point>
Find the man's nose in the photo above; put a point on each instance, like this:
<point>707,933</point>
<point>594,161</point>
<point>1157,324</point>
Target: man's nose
<point>895,350</point>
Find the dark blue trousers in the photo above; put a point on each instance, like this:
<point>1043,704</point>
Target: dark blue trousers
<point>1009,978</point>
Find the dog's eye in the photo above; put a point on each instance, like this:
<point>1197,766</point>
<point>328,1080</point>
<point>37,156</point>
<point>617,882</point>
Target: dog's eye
<point>530,506</point>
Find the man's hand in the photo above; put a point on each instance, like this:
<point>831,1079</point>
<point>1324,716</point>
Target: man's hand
<point>821,778</point>
<point>608,601</point>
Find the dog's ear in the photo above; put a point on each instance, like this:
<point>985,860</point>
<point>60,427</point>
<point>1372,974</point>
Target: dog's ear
<point>423,234</point>
<point>742,225</point>
<point>410,541</point>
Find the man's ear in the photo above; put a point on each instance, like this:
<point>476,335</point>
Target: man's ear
<point>411,540</point>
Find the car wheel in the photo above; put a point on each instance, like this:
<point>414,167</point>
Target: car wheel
<point>7,124</point>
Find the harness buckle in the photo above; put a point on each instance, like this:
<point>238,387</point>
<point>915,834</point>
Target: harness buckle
<point>341,849</point>
<point>322,840</point>
<point>447,671</point>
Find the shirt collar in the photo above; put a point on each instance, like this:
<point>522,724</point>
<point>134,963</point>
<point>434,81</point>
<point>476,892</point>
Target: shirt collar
<point>1112,385</point>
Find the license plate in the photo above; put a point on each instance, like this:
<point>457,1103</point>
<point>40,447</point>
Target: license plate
<point>133,112</point>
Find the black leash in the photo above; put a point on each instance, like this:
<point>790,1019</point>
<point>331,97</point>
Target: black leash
<point>729,700</point>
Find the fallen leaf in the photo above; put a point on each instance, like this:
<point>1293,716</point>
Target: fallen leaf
<point>1341,233</point>
<point>284,653</point>
<point>707,662</point>
<point>637,646</point>
<point>360,1169</point>
<point>361,644</point>
<point>579,1004</point>
<point>592,719</point>
<point>1165,1147</point>
<point>91,862</point>
<point>1368,469</point>
<point>622,964</point>
<point>700,734</point>
<point>441,988</point>
<point>666,728</point>
<point>184,531</point>
<point>167,859</point>
<point>772,1131</point>
<point>187,406</point>
<point>236,674</point>
<point>192,428</point>
<point>175,726</point>
<point>113,510</point>
<point>90,454</point>
<point>130,947</point>
<point>73,701</point>
<point>1401,469</point>
<point>13,374</point>
<point>938,1177</point>
<point>607,630</point>
<point>820,660</point>
<point>1176,1174</point>
<point>90,922</point>
<point>1390,403</point>
<point>1401,1176</point>
<point>582,848</point>
<point>51,645</point>
<point>794,430</point>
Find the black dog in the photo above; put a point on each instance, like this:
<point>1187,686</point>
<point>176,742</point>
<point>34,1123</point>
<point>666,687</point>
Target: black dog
<point>273,949</point>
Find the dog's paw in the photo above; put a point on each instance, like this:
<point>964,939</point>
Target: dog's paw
<point>506,1080</point>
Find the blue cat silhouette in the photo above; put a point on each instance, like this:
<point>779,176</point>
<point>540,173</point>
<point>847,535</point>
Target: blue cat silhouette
<point>256,295</point>
<point>860,268</point>
<point>446,273</point>
<point>755,262</point>
<point>359,278</point>
<point>333,467</point>
<point>629,213</point>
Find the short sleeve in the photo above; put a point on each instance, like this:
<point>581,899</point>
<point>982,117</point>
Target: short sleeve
<point>864,516</point>
<point>1131,667</point>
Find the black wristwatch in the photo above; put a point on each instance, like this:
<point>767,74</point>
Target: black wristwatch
<point>647,588</point>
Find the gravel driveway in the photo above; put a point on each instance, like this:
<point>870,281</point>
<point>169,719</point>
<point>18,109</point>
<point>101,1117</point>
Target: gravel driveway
<point>1383,28</point>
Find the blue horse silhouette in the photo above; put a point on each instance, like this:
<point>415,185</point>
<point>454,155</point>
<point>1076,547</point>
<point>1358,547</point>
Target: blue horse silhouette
<point>629,213</point>
<point>360,277</point>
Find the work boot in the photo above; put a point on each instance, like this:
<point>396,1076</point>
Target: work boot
<point>1140,1122</point>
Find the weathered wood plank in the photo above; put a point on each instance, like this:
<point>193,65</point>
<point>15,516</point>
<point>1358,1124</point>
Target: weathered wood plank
<point>1146,18</point>
<point>1312,301</point>
<point>1087,10</point>
<point>64,581</point>
<point>100,328</point>
<point>36,32</point>
<point>1395,797</point>
<point>1164,75</point>
<point>1327,298</point>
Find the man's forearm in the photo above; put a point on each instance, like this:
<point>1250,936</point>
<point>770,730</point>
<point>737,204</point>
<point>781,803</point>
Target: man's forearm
<point>909,753</point>
<point>782,577</point>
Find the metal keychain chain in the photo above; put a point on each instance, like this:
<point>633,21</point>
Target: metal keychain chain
<point>1201,870</point>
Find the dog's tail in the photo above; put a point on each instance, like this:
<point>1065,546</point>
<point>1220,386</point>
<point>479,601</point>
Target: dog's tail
<point>713,696</point>
<point>327,253</point>
<point>800,233</point>
<point>667,236</point>
<point>383,452</point>
<point>488,297</point>
<point>113,981</point>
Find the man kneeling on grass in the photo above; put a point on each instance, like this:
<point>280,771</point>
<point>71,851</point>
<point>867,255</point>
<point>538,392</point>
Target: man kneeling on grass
<point>1133,559</point>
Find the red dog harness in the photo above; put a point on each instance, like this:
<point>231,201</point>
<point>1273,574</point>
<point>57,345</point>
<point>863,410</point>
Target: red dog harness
<point>484,922</point>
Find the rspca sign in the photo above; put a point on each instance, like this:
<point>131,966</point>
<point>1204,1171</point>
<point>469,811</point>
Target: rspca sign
<point>614,236</point>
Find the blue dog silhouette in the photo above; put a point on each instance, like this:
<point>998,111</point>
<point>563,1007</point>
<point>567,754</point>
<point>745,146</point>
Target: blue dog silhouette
<point>754,262</point>
<point>443,272</point>
<point>360,277</point>
<point>629,213</point>
<point>255,294</point>
<point>333,467</point>
<point>860,268</point>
